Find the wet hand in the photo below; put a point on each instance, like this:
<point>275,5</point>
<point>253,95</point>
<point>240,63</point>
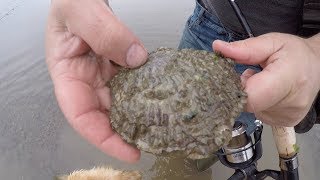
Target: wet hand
<point>283,92</point>
<point>82,38</point>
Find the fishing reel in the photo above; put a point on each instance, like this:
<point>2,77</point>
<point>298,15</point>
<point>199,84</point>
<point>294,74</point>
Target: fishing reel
<point>243,152</point>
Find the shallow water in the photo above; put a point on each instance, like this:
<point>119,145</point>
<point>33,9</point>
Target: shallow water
<point>36,143</point>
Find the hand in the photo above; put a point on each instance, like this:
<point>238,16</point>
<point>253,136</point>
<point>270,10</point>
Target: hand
<point>283,92</point>
<point>82,38</point>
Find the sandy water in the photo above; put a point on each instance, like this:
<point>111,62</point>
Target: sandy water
<point>36,142</point>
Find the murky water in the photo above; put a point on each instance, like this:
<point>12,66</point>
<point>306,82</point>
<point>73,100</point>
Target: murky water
<point>37,143</point>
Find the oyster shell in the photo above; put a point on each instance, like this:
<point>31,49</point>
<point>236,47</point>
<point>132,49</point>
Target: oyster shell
<point>182,101</point>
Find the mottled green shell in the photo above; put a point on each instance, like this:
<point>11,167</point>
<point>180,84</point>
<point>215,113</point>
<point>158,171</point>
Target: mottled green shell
<point>179,101</point>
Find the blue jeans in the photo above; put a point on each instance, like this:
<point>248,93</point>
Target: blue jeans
<point>201,29</point>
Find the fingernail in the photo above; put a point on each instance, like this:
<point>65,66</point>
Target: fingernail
<point>136,55</point>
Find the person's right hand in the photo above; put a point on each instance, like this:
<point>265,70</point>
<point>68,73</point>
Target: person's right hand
<point>82,38</point>
<point>283,92</point>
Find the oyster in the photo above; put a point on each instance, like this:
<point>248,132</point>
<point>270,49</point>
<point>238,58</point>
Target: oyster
<point>182,101</point>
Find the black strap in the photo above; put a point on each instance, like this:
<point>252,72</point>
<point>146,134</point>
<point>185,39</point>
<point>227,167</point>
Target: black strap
<point>312,118</point>
<point>311,18</point>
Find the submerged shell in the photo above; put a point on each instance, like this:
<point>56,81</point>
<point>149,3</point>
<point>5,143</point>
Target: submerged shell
<point>179,101</point>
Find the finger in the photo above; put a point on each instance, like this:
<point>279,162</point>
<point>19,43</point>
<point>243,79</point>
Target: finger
<point>253,50</point>
<point>267,88</point>
<point>94,126</point>
<point>278,118</point>
<point>246,75</point>
<point>81,107</point>
<point>269,120</point>
<point>104,33</point>
<point>60,43</point>
<point>104,96</point>
<point>108,70</point>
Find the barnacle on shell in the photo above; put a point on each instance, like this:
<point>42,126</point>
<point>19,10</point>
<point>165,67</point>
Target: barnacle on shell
<point>182,101</point>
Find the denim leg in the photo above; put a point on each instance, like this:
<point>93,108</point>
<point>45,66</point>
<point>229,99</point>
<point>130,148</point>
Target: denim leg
<point>191,40</point>
<point>188,41</point>
<point>201,29</point>
<point>200,32</point>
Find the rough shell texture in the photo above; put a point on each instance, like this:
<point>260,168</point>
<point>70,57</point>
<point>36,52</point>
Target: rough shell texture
<point>179,101</point>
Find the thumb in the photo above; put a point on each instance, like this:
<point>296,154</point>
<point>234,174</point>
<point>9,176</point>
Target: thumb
<point>268,87</point>
<point>94,22</point>
<point>251,51</point>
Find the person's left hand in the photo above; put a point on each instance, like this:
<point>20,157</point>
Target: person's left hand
<point>85,43</point>
<point>283,92</point>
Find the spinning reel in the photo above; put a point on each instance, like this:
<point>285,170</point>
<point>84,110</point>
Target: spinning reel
<point>242,154</point>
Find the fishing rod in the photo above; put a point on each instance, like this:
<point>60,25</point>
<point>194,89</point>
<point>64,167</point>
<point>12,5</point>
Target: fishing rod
<point>284,137</point>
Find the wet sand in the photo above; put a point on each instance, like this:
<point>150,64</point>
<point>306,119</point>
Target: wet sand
<point>36,142</point>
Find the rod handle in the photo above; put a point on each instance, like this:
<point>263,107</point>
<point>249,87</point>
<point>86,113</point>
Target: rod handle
<point>285,139</point>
